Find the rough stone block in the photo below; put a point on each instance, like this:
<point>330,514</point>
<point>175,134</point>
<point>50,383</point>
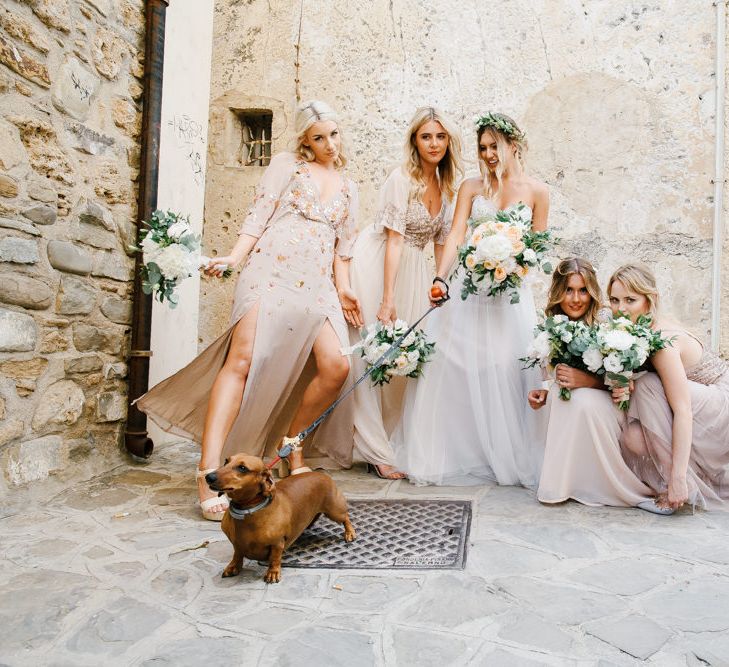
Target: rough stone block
<point>74,89</point>
<point>44,152</point>
<point>114,266</point>
<point>24,368</point>
<point>94,213</point>
<point>89,141</point>
<point>88,338</point>
<point>54,13</point>
<point>111,407</point>
<point>12,152</point>
<point>8,186</point>
<point>636,635</point>
<point>85,364</point>
<point>117,310</point>
<point>96,237</point>
<point>10,430</point>
<point>35,459</point>
<point>126,117</point>
<point>115,370</point>
<point>41,215</point>
<point>18,332</point>
<point>60,405</point>
<point>53,340</point>
<point>102,6</point>
<point>16,26</point>
<point>109,50</point>
<point>42,190</point>
<point>76,297</point>
<point>66,256</point>
<point>18,251</point>
<point>23,64</point>
<point>26,227</point>
<point>21,290</point>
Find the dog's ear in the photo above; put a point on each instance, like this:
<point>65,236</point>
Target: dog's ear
<point>266,483</point>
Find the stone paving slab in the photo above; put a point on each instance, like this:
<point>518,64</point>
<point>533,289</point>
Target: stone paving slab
<point>121,570</point>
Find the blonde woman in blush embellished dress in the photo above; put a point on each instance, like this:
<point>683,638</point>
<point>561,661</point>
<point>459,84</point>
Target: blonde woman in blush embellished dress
<point>677,437</point>
<point>466,420</point>
<point>279,364</point>
<point>390,274</point>
<point>582,457</point>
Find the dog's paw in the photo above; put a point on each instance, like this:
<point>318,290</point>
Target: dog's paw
<point>272,576</point>
<point>350,535</point>
<point>231,571</point>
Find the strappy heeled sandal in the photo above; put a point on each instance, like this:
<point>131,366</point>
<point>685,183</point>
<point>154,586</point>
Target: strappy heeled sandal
<point>206,505</point>
<point>295,445</point>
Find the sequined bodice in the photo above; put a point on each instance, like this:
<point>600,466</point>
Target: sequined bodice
<point>302,196</point>
<point>416,225</point>
<point>709,368</point>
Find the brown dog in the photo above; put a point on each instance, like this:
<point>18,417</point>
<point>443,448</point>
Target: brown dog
<point>281,510</point>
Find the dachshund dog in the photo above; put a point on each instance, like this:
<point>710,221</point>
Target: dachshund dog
<point>264,517</point>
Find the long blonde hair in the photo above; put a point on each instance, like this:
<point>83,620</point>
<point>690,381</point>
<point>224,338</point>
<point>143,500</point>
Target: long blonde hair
<point>504,141</point>
<point>570,267</point>
<point>640,280</point>
<point>451,165</point>
<point>307,114</point>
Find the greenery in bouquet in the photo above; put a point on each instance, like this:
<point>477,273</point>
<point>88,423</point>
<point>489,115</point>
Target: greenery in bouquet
<point>559,340</point>
<point>501,251</point>
<point>170,253</point>
<point>621,347</point>
<point>406,359</point>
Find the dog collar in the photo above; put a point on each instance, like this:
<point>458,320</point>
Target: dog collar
<point>242,512</point>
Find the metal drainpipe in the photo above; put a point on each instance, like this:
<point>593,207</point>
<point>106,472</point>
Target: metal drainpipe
<point>136,439</point>
<point>718,242</point>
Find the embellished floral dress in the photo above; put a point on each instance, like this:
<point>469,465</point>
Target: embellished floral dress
<point>289,274</point>
<point>377,410</point>
<point>650,418</point>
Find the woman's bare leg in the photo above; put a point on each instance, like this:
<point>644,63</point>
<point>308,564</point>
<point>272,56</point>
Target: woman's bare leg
<point>225,398</point>
<point>332,370</point>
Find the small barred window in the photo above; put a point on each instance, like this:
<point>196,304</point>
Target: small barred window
<point>255,137</point>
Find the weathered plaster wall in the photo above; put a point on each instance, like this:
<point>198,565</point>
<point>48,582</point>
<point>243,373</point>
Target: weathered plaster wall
<point>70,89</point>
<point>617,99</point>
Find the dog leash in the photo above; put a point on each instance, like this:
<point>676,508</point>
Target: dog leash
<point>299,438</point>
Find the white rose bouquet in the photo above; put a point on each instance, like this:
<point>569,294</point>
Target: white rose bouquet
<point>624,347</point>
<point>501,251</point>
<point>559,340</point>
<point>406,359</point>
<point>171,253</point>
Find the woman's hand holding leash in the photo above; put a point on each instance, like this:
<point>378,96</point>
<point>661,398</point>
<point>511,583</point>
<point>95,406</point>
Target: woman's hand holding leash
<point>438,292</point>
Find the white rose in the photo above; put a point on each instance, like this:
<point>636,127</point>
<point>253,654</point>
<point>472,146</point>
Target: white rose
<point>612,363</point>
<point>374,352</point>
<point>642,355</point>
<point>510,265</point>
<point>408,340</point>
<point>413,356</point>
<point>495,248</point>
<point>593,359</point>
<point>176,262</point>
<point>178,229</point>
<point>566,336</point>
<point>529,256</point>
<point>540,347</point>
<point>561,318</point>
<point>619,340</point>
<point>150,248</point>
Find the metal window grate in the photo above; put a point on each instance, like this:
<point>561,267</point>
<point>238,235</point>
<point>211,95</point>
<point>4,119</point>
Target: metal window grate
<point>391,534</point>
<point>255,137</point>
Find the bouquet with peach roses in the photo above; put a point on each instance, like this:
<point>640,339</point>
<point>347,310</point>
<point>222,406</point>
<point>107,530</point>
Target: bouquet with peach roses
<point>501,250</point>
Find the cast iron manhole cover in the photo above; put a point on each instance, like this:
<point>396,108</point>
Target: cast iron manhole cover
<point>399,534</point>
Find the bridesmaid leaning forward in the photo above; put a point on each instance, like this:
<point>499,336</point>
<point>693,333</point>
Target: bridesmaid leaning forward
<point>677,438</point>
<point>279,364</point>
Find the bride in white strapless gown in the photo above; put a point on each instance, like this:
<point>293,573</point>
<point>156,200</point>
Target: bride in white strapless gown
<point>467,420</point>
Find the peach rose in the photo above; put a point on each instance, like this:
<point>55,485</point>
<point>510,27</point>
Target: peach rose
<point>500,274</point>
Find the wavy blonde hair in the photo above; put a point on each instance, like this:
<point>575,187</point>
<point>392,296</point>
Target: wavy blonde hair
<point>307,114</point>
<point>451,165</point>
<point>503,143</point>
<point>557,290</point>
<point>640,280</point>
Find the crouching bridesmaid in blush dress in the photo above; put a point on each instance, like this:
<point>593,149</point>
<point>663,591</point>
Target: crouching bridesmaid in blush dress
<point>279,365</point>
<point>677,437</point>
<point>582,457</point>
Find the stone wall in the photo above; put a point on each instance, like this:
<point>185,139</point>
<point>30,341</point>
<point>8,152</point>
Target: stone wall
<point>617,100</point>
<point>70,89</point>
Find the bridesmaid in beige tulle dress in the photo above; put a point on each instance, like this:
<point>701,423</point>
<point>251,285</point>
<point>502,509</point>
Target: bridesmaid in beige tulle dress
<point>582,457</point>
<point>390,274</point>
<point>279,364</point>
<point>677,438</point>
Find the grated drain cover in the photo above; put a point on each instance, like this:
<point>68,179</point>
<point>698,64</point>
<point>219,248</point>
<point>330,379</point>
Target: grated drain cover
<point>397,534</point>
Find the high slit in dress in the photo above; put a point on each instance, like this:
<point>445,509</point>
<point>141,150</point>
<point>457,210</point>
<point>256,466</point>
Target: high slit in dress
<point>289,274</point>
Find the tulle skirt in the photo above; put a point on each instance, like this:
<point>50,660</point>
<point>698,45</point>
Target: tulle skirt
<point>467,420</point>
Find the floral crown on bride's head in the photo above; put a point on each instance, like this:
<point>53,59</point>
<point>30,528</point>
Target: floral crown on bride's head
<point>498,122</point>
